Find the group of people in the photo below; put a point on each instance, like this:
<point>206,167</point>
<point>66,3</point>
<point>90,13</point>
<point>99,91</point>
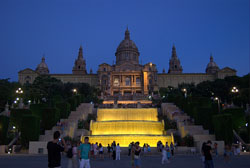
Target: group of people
<point>79,154</point>
<point>167,151</point>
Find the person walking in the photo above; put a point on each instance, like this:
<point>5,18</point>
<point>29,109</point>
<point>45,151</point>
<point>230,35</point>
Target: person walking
<point>84,153</point>
<point>137,155</point>
<point>55,148</point>
<point>208,155</point>
<point>164,155</point>
<point>118,152</point>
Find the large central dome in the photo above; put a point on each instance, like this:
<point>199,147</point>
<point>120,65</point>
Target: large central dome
<point>127,51</point>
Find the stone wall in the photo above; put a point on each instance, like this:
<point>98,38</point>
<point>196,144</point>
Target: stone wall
<point>165,80</point>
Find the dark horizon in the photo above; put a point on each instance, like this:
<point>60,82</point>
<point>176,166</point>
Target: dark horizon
<point>58,28</point>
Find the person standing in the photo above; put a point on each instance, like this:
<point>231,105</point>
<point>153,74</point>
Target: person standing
<point>129,149</point>
<point>114,150</point>
<point>132,155</point>
<point>74,158</point>
<point>109,150</point>
<point>55,148</point>
<point>95,146</point>
<point>172,148</point>
<point>118,152</point>
<point>101,154</point>
<point>208,155</point>
<point>137,155</point>
<point>84,153</point>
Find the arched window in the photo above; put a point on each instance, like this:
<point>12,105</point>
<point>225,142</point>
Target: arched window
<point>138,81</point>
<point>128,81</point>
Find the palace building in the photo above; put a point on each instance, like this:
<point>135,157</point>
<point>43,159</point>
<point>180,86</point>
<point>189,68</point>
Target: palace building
<point>127,76</point>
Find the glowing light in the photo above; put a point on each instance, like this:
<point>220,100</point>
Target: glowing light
<point>143,114</point>
<point>127,128</point>
<point>127,125</point>
<point>14,127</point>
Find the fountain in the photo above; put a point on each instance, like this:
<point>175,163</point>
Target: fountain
<point>125,125</point>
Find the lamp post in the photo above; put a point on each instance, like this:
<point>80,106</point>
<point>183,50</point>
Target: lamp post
<point>185,92</point>
<point>74,91</point>
<point>19,92</point>
<point>234,90</point>
<point>218,101</point>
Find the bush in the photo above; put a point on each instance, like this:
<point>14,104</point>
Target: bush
<point>16,116</point>
<point>4,124</point>
<point>238,116</point>
<point>50,117</point>
<point>30,129</point>
<point>73,103</point>
<point>64,109</point>
<point>223,127</point>
<point>188,141</point>
<point>37,109</point>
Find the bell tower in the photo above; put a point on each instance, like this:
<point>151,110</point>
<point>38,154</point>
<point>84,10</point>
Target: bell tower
<point>80,64</point>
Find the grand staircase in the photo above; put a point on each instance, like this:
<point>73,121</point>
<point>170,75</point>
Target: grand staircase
<point>70,129</point>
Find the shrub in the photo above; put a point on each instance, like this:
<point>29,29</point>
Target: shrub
<point>223,127</point>
<point>16,116</point>
<point>64,109</point>
<point>238,116</point>
<point>50,117</point>
<point>37,109</point>
<point>4,124</point>
<point>30,129</point>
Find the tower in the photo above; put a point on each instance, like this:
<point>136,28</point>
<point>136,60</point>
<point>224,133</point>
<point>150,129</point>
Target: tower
<point>174,63</point>
<point>212,67</point>
<point>42,68</point>
<point>80,64</point>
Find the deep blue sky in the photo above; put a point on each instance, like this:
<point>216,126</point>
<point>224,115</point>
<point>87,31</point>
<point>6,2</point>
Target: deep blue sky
<point>56,28</point>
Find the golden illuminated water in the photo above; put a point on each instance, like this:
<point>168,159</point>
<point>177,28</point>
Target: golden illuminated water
<point>142,114</point>
<point>125,125</point>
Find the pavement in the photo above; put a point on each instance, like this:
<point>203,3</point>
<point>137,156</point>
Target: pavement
<point>179,161</point>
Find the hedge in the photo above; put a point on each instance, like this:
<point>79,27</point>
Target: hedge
<point>50,117</point>
<point>30,129</point>
<point>16,116</point>
<point>37,109</point>
<point>64,109</point>
<point>73,103</point>
<point>223,127</point>
<point>4,124</point>
<point>238,116</point>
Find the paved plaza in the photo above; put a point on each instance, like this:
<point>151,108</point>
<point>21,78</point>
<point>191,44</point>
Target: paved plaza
<point>179,161</point>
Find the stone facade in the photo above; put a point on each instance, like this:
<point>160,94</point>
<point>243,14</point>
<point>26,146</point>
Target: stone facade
<point>127,76</point>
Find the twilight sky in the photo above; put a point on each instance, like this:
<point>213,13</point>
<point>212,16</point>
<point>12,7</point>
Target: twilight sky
<point>56,28</point>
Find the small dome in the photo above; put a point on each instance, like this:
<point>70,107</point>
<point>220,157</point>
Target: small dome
<point>212,67</point>
<point>42,68</point>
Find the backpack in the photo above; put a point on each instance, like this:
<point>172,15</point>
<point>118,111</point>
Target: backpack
<point>69,153</point>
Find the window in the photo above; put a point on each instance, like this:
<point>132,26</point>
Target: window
<point>127,81</point>
<point>116,82</point>
<point>138,81</point>
<point>104,69</point>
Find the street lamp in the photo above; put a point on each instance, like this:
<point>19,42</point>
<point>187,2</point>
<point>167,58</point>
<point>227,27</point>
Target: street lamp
<point>19,91</point>
<point>235,90</point>
<point>75,91</point>
<point>185,92</point>
<point>218,101</point>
